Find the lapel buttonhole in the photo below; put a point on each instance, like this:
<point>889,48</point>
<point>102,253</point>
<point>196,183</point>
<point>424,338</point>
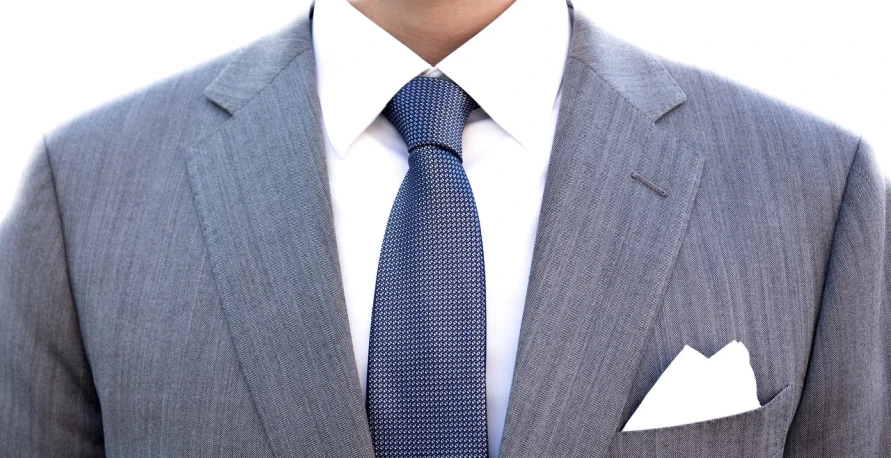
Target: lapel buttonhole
<point>658,189</point>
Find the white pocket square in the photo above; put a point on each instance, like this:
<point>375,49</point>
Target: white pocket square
<point>694,388</point>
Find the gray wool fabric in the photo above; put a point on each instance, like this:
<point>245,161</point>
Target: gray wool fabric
<point>169,279</point>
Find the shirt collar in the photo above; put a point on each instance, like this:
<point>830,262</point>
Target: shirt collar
<point>512,68</point>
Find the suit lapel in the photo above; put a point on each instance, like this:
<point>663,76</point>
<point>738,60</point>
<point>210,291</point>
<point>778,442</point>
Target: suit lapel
<point>260,186</point>
<point>616,204</point>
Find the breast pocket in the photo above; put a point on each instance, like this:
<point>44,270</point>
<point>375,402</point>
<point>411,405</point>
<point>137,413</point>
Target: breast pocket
<point>756,433</point>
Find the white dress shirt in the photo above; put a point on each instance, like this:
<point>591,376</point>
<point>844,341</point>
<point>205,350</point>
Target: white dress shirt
<point>513,69</point>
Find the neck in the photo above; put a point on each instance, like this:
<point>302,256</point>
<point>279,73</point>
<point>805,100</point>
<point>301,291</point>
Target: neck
<point>432,28</point>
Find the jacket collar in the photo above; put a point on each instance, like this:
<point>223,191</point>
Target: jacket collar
<point>629,71</point>
<point>254,67</point>
<point>634,74</point>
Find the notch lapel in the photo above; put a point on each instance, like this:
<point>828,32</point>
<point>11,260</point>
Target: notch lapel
<point>616,204</point>
<point>261,190</point>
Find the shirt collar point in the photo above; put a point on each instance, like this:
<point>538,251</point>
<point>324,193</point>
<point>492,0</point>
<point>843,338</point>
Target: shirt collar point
<point>341,152</point>
<point>340,145</point>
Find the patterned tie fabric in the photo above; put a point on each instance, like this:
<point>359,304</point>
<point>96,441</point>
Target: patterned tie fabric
<point>426,390</point>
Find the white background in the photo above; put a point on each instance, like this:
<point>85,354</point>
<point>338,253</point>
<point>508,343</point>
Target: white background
<point>61,58</point>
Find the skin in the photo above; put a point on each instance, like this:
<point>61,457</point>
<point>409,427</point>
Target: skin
<point>432,28</point>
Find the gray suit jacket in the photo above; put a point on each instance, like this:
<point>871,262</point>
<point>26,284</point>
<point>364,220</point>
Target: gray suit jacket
<point>169,282</point>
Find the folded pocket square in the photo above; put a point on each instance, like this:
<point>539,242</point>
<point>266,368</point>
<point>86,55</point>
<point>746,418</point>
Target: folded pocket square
<point>694,388</point>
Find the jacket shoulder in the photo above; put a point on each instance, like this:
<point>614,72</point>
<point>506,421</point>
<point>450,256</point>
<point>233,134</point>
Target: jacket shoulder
<point>725,117</point>
<point>127,156</point>
<point>163,117</point>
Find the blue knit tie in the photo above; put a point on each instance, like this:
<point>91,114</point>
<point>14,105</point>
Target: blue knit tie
<point>427,354</point>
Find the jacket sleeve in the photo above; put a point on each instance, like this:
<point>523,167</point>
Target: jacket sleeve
<point>48,403</point>
<point>845,406</point>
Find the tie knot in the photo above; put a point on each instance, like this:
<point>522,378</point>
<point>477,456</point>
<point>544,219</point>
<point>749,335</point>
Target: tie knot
<point>430,111</point>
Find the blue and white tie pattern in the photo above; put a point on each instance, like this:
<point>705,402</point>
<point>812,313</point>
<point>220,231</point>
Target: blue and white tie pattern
<point>426,390</point>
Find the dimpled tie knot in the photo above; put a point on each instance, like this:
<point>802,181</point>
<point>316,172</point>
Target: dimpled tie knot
<point>426,390</point>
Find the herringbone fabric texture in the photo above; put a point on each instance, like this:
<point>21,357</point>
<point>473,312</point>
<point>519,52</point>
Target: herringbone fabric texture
<point>427,354</point>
